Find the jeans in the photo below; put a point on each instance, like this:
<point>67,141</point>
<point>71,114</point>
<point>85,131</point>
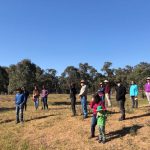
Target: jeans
<point>73,105</point>
<point>36,103</point>
<point>122,108</point>
<point>134,102</point>
<point>19,109</point>
<point>44,100</point>
<point>84,106</point>
<point>102,133</point>
<point>93,125</point>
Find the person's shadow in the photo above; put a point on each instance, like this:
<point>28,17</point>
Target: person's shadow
<point>132,130</point>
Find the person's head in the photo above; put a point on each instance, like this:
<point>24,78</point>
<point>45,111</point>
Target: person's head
<point>82,82</point>
<point>35,87</point>
<point>99,109</point>
<point>96,98</point>
<point>148,79</point>
<point>73,85</point>
<point>19,90</point>
<point>106,81</point>
<point>132,82</point>
<point>118,82</point>
<point>43,86</point>
<point>101,84</point>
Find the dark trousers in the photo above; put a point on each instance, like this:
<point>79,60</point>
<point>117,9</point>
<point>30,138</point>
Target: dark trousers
<point>73,105</point>
<point>44,100</point>
<point>134,102</point>
<point>25,104</point>
<point>122,108</point>
<point>93,125</point>
<point>19,110</point>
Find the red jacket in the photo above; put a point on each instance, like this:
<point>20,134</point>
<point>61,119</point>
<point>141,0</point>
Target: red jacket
<point>107,89</point>
<point>94,106</point>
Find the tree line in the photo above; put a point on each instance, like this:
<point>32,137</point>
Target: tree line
<point>27,74</point>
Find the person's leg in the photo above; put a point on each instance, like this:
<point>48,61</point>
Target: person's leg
<point>46,104</point>
<point>21,113</point>
<point>133,101</point>
<point>103,134</point>
<point>100,134</point>
<point>122,109</point>
<point>85,107</point>
<point>72,106</point>
<point>93,125</point>
<point>107,96</point>
<point>17,114</point>
<point>148,96</point>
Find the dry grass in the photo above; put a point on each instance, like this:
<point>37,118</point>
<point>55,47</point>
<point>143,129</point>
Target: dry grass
<point>55,129</point>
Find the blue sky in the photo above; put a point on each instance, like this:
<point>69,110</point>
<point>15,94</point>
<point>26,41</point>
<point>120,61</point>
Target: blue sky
<point>60,33</point>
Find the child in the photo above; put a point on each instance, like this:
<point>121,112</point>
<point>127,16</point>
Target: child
<point>19,100</point>
<point>101,91</point>
<point>101,121</point>
<point>96,101</point>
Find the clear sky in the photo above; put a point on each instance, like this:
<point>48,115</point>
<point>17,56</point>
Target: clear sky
<point>59,33</point>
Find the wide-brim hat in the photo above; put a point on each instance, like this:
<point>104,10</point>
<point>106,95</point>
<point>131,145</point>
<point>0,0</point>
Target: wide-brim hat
<point>82,81</point>
<point>148,78</point>
<point>106,81</point>
<point>101,83</point>
<point>99,108</point>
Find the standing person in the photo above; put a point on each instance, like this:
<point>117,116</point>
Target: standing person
<point>101,122</point>
<point>107,92</point>
<point>147,89</point>
<point>36,95</point>
<point>134,94</point>
<point>95,102</point>
<point>26,95</point>
<point>19,101</point>
<point>44,95</point>
<point>120,97</point>
<point>73,93</point>
<point>101,91</point>
<point>83,98</point>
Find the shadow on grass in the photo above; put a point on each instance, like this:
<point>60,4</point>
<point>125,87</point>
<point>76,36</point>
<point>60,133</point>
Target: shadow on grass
<point>140,116</point>
<point>4,109</point>
<point>63,103</point>
<point>7,121</point>
<point>123,132</point>
<point>38,118</point>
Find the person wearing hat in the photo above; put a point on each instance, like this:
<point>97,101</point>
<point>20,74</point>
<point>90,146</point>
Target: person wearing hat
<point>101,122</point>
<point>19,101</point>
<point>134,94</point>
<point>101,91</point>
<point>83,98</point>
<point>147,89</point>
<point>120,97</point>
<point>107,92</point>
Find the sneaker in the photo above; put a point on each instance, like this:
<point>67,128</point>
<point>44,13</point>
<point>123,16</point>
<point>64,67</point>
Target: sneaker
<point>121,119</point>
<point>103,142</point>
<point>92,136</point>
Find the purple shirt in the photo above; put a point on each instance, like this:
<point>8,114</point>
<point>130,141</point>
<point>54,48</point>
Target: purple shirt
<point>44,93</point>
<point>147,87</point>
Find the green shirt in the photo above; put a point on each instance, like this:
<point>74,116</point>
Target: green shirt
<point>101,118</point>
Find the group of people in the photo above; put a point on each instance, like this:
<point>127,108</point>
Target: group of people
<point>22,97</point>
<point>99,103</point>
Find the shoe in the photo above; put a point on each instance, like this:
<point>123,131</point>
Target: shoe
<point>92,136</point>
<point>121,119</point>
<point>103,142</point>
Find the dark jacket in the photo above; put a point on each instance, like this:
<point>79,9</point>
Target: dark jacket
<point>120,93</point>
<point>73,92</point>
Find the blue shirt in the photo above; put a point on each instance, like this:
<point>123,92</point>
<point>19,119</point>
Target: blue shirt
<point>19,98</point>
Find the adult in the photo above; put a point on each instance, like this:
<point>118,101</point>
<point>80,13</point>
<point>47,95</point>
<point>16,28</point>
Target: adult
<point>36,95</point>
<point>134,94</point>
<point>44,95</point>
<point>26,95</point>
<point>101,91</point>
<point>73,93</point>
<point>147,89</point>
<point>120,97</point>
<point>107,92</point>
<point>83,98</point>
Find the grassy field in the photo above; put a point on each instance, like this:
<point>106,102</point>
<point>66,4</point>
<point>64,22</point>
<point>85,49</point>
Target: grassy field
<point>55,129</point>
